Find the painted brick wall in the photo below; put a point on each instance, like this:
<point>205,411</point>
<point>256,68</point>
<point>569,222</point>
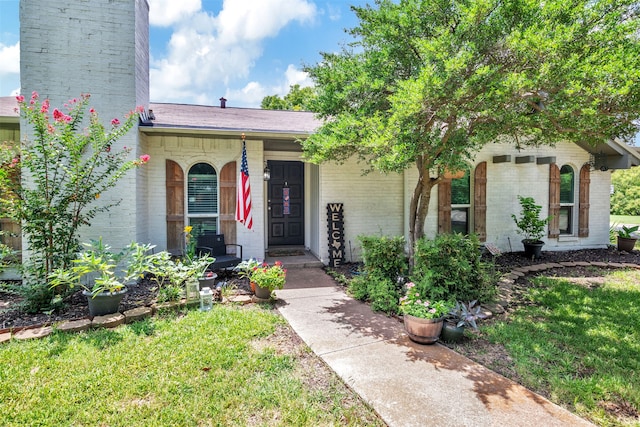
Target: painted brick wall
<point>100,48</point>
<point>373,204</point>
<point>187,151</point>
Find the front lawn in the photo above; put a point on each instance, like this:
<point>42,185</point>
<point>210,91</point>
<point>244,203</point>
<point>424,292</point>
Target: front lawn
<point>229,366</point>
<point>576,341</point>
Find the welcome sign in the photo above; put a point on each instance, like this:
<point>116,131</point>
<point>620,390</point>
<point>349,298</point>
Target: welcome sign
<point>335,217</point>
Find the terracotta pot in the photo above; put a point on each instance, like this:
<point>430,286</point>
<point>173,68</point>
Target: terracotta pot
<point>423,331</point>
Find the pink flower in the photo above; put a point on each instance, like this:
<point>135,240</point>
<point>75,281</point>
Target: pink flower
<point>92,110</point>
<point>57,115</point>
<point>115,122</point>
<point>410,285</point>
<point>278,263</point>
<point>433,310</point>
<point>34,95</point>
<point>20,98</point>
<point>145,158</point>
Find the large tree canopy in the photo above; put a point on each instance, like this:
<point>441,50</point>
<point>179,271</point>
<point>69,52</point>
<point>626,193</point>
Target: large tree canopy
<point>429,82</point>
<point>298,99</point>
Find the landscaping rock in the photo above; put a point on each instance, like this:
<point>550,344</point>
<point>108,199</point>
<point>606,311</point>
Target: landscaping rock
<point>74,325</point>
<point>136,314</point>
<point>108,321</point>
<point>27,334</point>
<point>6,337</point>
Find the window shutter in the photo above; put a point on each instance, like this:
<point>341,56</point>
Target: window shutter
<point>444,206</point>
<point>228,180</point>
<point>480,201</point>
<point>583,208</point>
<point>175,206</point>
<point>554,200</point>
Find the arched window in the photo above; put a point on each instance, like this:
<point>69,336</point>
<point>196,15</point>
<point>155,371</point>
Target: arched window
<point>567,199</point>
<point>202,199</point>
<point>461,203</point>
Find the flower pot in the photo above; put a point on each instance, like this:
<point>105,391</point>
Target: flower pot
<point>262,293</point>
<point>451,333</point>
<point>626,243</point>
<point>105,302</point>
<point>533,249</point>
<point>423,331</point>
<point>207,282</point>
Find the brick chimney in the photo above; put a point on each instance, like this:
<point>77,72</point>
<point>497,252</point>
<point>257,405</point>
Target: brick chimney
<point>223,102</point>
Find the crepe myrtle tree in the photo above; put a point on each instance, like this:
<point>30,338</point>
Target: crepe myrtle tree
<point>428,83</point>
<point>65,167</point>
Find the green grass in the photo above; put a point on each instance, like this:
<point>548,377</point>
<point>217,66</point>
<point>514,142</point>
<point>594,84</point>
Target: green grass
<point>579,345</point>
<point>200,369</point>
<point>624,219</point>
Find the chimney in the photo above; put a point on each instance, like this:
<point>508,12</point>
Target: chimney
<point>223,102</point>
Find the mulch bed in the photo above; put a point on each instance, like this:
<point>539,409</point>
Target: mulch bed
<point>142,294</point>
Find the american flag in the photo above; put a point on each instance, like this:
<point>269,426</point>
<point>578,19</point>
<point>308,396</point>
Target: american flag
<point>243,200</point>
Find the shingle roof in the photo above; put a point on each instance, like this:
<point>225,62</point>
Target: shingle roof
<point>232,119</point>
<point>203,117</point>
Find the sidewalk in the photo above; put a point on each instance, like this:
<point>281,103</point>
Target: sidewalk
<point>407,384</point>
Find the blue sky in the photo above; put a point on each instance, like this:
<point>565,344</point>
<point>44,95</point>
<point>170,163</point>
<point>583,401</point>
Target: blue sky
<point>201,50</point>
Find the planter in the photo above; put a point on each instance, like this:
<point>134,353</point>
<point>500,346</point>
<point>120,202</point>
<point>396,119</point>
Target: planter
<point>533,249</point>
<point>207,282</point>
<point>105,302</point>
<point>451,333</point>
<point>423,331</point>
<point>262,293</point>
<point>626,243</point>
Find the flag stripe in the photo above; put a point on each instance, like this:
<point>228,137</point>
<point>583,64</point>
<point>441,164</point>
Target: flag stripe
<point>243,200</point>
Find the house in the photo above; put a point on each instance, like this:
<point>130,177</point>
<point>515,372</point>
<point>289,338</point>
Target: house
<point>196,150</point>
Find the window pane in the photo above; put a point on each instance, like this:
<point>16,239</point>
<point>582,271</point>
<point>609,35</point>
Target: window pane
<point>202,189</point>
<point>566,184</point>
<point>459,220</point>
<point>460,190</point>
<point>203,225</point>
<point>564,219</point>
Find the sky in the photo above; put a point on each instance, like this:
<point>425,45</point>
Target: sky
<point>201,50</point>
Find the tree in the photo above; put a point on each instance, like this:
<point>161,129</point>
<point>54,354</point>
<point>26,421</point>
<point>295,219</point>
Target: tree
<point>429,82</point>
<point>298,99</point>
<point>625,199</point>
<point>66,167</point>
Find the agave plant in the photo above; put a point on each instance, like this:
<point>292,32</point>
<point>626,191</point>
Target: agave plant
<point>466,314</point>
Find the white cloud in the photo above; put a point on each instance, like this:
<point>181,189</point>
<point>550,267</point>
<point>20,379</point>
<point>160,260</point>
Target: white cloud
<point>164,13</point>
<point>206,52</point>
<point>9,59</point>
<point>297,77</point>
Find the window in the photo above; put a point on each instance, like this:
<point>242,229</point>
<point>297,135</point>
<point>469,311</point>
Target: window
<point>461,203</point>
<point>567,200</point>
<point>202,199</point>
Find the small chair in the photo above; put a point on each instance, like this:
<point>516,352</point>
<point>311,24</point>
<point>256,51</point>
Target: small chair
<point>215,246</point>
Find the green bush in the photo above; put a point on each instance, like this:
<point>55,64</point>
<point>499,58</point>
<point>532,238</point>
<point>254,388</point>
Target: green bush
<point>449,267</point>
<point>384,254</point>
<point>380,291</point>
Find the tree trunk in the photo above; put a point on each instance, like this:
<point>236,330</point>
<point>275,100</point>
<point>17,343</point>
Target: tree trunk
<point>419,207</point>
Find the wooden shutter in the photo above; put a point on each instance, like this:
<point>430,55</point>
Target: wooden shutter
<point>480,202</point>
<point>175,207</point>
<point>228,180</point>
<point>583,207</point>
<point>444,206</point>
<point>554,200</point>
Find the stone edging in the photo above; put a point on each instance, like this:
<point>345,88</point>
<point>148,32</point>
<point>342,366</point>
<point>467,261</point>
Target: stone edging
<point>107,321</point>
<point>508,279</point>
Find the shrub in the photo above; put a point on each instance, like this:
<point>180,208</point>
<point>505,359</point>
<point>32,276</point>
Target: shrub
<point>380,291</point>
<point>384,254</point>
<point>449,267</point>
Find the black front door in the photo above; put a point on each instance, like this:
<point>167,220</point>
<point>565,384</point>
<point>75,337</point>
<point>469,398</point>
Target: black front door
<point>286,203</point>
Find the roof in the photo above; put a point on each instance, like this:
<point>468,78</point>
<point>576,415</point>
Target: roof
<point>202,117</point>
<point>8,113</point>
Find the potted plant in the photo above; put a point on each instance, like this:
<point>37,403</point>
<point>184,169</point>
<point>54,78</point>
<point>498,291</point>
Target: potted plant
<point>626,238</point>
<point>531,226</point>
<point>171,275</point>
<point>244,270</point>
<point>461,316</point>
<point>422,318</point>
<point>94,270</point>
<point>267,279</point>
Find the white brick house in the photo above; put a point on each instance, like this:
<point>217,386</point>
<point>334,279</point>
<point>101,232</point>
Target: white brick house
<point>101,48</point>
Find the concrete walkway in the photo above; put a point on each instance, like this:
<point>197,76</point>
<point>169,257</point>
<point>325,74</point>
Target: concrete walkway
<point>407,384</point>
